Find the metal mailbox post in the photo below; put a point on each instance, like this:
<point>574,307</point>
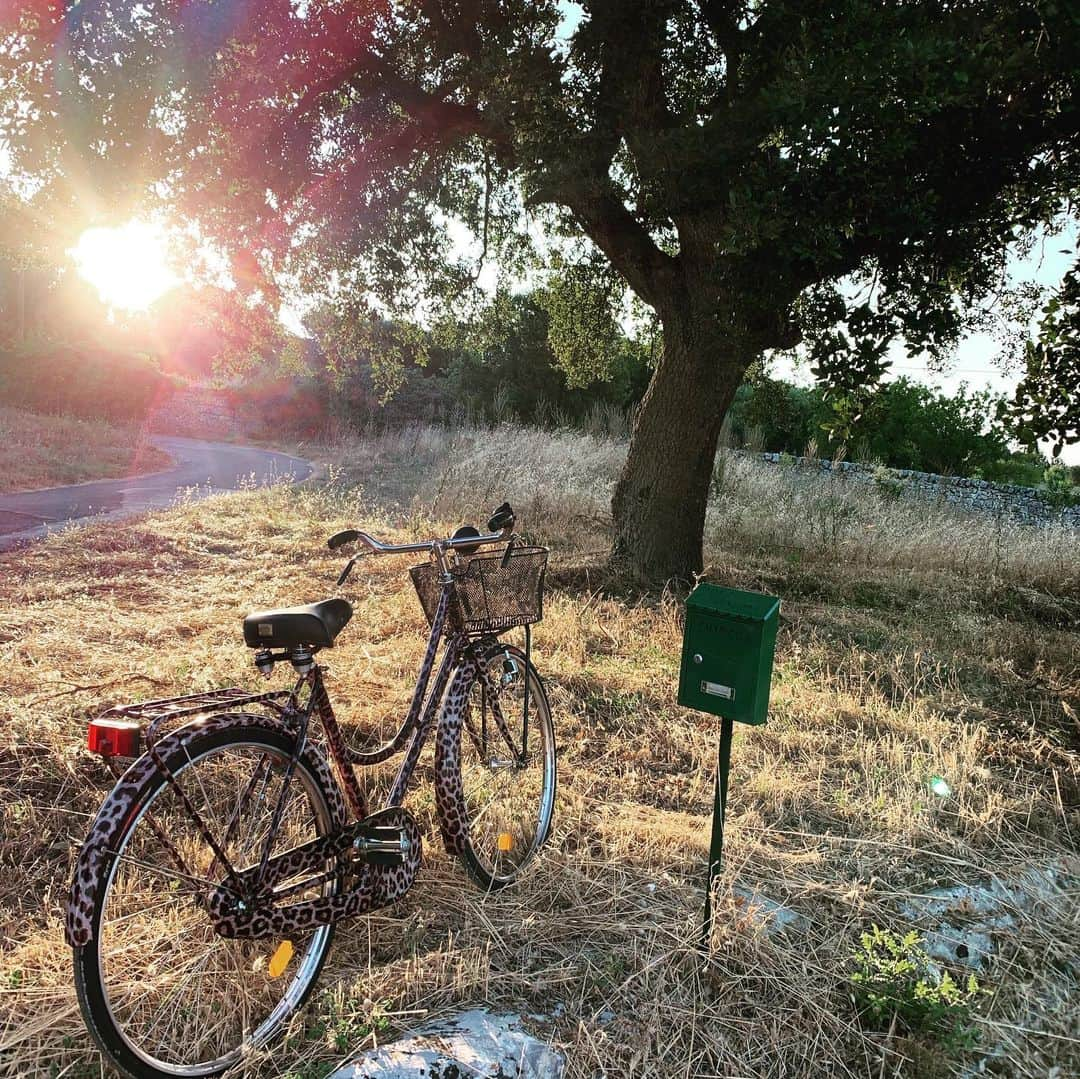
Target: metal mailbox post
<point>726,670</point>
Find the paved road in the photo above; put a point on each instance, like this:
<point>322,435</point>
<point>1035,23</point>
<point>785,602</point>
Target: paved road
<point>210,466</point>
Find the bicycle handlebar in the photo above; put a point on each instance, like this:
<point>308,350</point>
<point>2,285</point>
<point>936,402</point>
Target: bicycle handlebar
<point>501,524</point>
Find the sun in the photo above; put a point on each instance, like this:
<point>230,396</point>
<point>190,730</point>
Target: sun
<point>128,265</point>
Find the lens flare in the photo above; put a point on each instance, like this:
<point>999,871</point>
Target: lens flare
<point>128,265</point>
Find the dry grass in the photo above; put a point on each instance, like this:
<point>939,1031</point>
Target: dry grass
<point>901,656</point>
<point>50,451</point>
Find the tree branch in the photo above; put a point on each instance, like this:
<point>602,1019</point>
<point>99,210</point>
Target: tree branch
<point>721,19</point>
<point>651,273</point>
<point>433,112</point>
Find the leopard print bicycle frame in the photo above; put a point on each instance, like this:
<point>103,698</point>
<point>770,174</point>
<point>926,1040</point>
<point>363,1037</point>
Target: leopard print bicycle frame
<point>379,885</point>
<point>125,801</point>
<point>339,752</point>
<point>420,735</point>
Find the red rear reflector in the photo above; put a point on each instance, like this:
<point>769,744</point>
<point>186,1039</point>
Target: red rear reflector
<point>114,737</point>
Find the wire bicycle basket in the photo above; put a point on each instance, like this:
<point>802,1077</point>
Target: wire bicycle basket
<point>488,597</point>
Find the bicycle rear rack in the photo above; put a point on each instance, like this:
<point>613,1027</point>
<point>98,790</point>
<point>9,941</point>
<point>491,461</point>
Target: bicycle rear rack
<point>124,730</point>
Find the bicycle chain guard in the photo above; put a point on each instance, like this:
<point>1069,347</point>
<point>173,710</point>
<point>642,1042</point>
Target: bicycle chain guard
<point>374,886</point>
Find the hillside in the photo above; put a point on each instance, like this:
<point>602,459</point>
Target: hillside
<point>51,451</point>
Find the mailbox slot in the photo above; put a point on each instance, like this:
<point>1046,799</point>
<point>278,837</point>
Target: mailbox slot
<point>728,650</point>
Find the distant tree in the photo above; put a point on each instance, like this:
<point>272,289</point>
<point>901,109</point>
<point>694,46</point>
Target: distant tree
<point>510,352</point>
<point>901,423</point>
<point>731,162</point>
<point>786,416</point>
<point>908,425</point>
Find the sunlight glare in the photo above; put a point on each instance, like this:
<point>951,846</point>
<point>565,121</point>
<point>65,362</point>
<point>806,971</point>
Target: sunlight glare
<point>127,265</point>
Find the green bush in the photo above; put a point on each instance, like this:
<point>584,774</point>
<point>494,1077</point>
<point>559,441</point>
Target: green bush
<point>888,481</point>
<point>1057,487</point>
<point>896,984</point>
<point>901,425</point>
<point>1025,469</point>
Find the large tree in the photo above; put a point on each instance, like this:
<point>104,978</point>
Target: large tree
<point>731,162</point>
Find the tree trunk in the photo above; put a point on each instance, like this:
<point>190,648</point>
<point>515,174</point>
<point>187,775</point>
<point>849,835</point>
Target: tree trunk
<point>660,499</point>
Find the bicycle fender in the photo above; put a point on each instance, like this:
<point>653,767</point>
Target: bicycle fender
<point>449,790</point>
<point>124,802</point>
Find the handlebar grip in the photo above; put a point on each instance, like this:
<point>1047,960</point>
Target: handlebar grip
<point>339,539</point>
<point>502,519</point>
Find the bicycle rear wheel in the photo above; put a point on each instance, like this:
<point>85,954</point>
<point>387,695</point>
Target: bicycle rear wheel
<point>508,778</point>
<point>162,993</point>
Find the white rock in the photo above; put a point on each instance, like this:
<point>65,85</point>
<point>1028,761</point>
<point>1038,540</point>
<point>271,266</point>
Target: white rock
<point>472,1045</point>
<point>964,919</point>
<point>770,915</point>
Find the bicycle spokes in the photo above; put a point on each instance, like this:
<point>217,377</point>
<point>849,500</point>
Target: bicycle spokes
<point>181,994</point>
<point>507,793</point>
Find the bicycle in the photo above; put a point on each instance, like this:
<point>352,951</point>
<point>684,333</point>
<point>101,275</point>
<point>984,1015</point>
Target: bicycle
<point>207,892</point>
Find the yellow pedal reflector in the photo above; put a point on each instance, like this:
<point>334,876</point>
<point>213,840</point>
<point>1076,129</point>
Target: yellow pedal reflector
<point>280,959</point>
<point>506,842</point>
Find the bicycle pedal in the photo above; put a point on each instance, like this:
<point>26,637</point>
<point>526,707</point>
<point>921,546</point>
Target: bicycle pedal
<point>381,845</point>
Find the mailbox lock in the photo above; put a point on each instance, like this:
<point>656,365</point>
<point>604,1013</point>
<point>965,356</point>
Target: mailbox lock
<point>697,657</point>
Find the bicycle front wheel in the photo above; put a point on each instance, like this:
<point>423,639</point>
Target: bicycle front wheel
<point>508,770</point>
<point>162,993</point>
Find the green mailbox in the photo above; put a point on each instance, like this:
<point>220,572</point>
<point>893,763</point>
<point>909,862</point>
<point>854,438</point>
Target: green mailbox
<point>726,670</point>
<point>727,652</point>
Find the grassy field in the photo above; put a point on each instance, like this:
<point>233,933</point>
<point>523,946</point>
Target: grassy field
<point>51,451</point>
<point>914,643</point>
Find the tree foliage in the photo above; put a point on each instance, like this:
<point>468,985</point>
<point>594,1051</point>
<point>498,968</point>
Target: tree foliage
<point>732,161</point>
<point>775,146</point>
<point>1046,404</point>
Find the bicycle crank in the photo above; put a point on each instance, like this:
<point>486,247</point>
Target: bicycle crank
<point>384,852</point>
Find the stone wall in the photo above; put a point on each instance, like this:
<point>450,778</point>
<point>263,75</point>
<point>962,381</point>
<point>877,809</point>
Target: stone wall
<point>1023,503</point>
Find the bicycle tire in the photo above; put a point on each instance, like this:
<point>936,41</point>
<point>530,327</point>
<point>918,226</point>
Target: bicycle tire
<point>118,1046</point>
<point>490,867</point>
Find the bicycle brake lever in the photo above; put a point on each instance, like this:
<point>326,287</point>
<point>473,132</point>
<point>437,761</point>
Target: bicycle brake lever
<point>506,554</point>
<point>346,571</point>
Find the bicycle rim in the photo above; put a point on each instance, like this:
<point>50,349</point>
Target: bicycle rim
<point>180,999</point>
<point>509,800</point>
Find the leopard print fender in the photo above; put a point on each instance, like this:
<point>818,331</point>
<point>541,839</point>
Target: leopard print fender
<point>125,800</point>
<point>449,792</point>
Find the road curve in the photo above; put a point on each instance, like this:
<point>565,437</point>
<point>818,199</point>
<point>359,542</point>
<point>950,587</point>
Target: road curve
<point>210,466</point>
